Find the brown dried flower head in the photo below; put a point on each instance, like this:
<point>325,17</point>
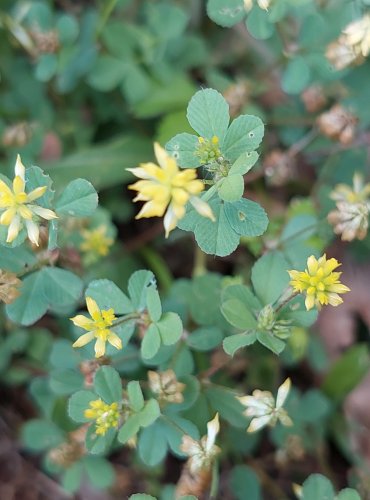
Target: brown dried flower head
<point>46,43</point>
<point>17,135</point>
<point>314,98</point>
<point>166,386</point>
<point>338,123</point>
<point>9,284</point>
<point>237,96</point>
<point>279,168</point>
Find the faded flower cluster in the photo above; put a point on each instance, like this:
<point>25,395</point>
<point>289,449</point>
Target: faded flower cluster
<point>350,219</point>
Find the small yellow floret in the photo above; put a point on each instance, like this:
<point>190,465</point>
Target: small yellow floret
<point>18,207</point>
<point>105,416</point>
<point>166,190</point>
<point>320,284</point>
<point>97,327</point>
<point>96,241</point>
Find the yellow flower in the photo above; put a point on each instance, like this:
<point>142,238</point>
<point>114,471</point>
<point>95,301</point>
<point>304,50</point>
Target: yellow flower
<point>18,207</point>
<point>96,241</point>
<point>97,327</point>
<point>105,416</point>
<point>320,284</point>
<point>166,190</point>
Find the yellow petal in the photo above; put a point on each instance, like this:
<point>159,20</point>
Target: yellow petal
<point>152,209</point>
<point>36,193</point>
<point>24,212</point>
<point>161,155</point>
<point>33,232</point>
<point>84,339</point>
<point>18,185</point>
<point>202,208</point>
<point>7,216</point>
<point>45,213</point>
<point>169,221</point>
<point>312,265</point>
<point>83,322</point>
<point>19,168</point>
<point>93,308</point>
<point>114,340</point>
<point>14,229</point>
<point>180,196</point>
<point>309,302</point>
<point>334,299</point>
<point>99,347</point>
<point>5,190</point>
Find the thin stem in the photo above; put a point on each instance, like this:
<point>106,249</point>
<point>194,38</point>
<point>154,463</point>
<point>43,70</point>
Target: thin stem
<point>301,231</point>
<point>125,319</point>
<point>200,263</point>
<point>38,265</point>
<point>104,16</point>
<point>159,267</point>
<point>303,143</point>
<point>285,301</point>
<point>174,424</point>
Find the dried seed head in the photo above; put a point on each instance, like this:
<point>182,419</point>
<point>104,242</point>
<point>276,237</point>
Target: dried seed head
<point>350,220</point>
<point>279,168</point>
<point>338,123</point>
<point>9,284</point>
<point>314,98</point>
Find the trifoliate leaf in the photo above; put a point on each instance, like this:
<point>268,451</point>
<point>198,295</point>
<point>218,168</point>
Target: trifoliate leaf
<point>231,188</point>
<point>244,134</point>
<point>79,199</point>
<point>151,342</point>
<point>226,13</point>
<point>234,342</point>
<point>246,217</point>
<point>244,163</point>
<point>208,114</point>
<point>183,147</point>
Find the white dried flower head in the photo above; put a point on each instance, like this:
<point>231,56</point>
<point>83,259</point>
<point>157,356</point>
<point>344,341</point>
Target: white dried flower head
<point>264,410</point>
<point>352,46</point>
<point>341,55</point>
<point>360,192</point>
<point>350,220</point>
<point>357,35</point>
<point>202,453</point>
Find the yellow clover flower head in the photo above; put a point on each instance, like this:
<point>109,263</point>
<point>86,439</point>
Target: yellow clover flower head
<point>166,190</point>
<point>96,241</point>
<point>18,207</point>
<point>106,416</point>
<point>208,150</point>
<point>97,327</point>
<point>320,284</point>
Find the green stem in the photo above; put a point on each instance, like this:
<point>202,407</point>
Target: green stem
<point>285,301</point>
<point>158,266</point>
<point>39,264</point>
<point>104,16</point>
<point>173,424</point>
<point>200,263</point>
<point>127,357</point>
<point>125,319</point>
<point>301,231</point>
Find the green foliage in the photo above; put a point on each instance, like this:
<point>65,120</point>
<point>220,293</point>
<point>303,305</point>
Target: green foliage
<point>267,100</point>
